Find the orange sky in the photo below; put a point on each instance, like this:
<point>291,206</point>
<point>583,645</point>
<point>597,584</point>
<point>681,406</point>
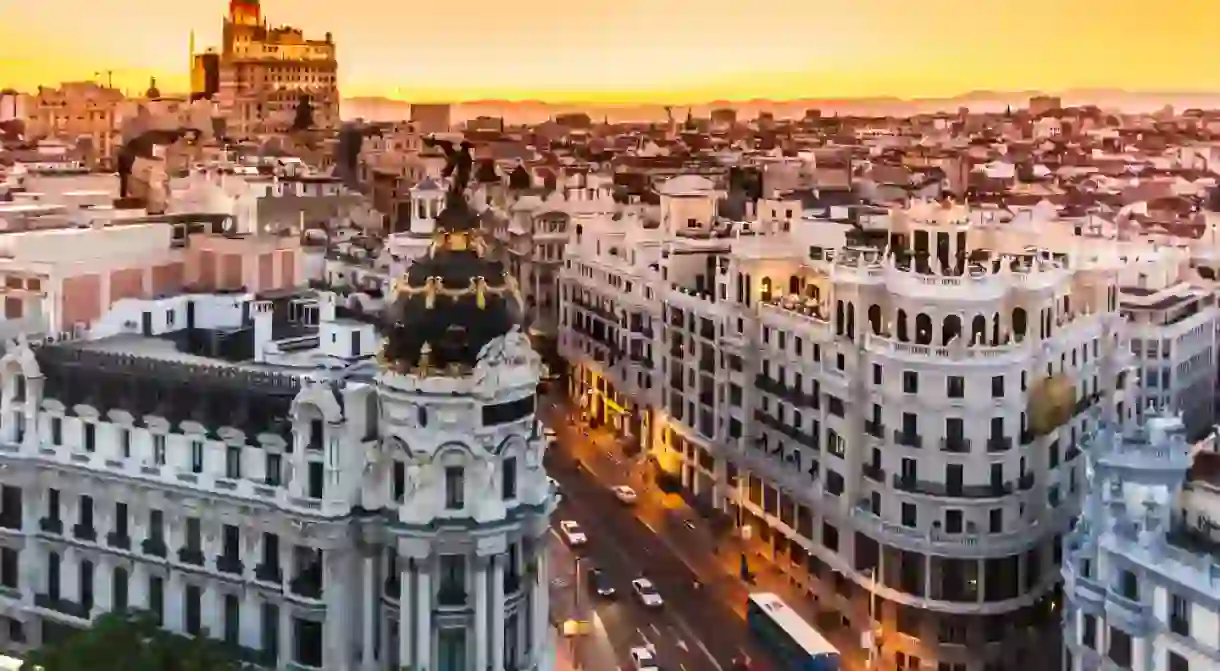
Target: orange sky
<point>651,50</point>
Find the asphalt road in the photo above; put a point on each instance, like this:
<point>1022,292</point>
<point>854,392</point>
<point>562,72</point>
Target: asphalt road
<point>696,630</point>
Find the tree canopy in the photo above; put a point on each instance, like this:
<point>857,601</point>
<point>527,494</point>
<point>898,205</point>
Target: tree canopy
<point>132,642</point>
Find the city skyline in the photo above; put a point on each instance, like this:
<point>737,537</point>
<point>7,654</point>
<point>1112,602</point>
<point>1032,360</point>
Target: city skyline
<point>633,51</point>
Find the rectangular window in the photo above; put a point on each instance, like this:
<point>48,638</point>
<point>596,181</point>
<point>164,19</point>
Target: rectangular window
<point>9,567</point>
<point>909,515</point>
<point>953,521</point>
<point>158,449</point>
<point>508,479</point>
<point>455,486</point>
<point>192,607</point>
<point>119,588</point>
<point>1179,615</point>
<point>196,456</point>
<point>156,598</point>
<point>1120,648</point>
<point>233,462</point>
<point>232,619</point>
<point>955,386</point>
<point>275,469</point>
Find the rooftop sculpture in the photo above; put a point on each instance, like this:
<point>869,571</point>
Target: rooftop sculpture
<point>454,301</point>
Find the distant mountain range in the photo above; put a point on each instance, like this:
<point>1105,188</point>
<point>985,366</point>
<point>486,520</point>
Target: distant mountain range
<point>536,111</point>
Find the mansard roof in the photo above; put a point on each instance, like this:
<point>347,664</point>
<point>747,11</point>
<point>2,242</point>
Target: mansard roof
<point>213,394</point>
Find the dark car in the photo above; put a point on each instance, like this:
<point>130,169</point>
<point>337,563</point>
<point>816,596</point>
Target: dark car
<point>599,584</point>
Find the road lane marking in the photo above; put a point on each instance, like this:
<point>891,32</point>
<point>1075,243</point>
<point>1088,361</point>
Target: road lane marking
<point>556,535</point>
<point>699,642</point>
<point>628,559</point>
<point>682,644</point>
<point>654,629</point>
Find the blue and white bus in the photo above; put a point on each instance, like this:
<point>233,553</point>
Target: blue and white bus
<point>788,637</point>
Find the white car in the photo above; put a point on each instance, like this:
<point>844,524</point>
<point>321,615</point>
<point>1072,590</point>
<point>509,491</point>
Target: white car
<point>642,659</point>
<point>556,489</point>
<point>572,533</point>
<point>647,593</point>
<point>625,494</point>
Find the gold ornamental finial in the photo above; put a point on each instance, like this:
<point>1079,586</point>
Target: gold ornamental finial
<point>480,297</point>
<point>425,358</point>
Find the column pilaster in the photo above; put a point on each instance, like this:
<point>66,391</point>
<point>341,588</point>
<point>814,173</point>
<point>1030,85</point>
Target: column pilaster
<point>497,613</point>
<point>368,618</point>
<point>479,576</point>
<point>423,615</point>
<point>540,606</point>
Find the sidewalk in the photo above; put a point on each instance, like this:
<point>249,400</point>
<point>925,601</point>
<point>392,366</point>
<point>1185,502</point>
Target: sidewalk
<point>596,653</point>
<point>569,603</point>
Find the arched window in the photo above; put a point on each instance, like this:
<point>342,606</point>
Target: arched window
<point>1019,323</point>
<point>851,320</point>
<point>901,326</point>
<point>950,329</point>
<point>978,330</point>
<point>839,317</point>
<point>794,285</point>
<point>766,289</point>
<point>923,329</point>
<point>874,318</point>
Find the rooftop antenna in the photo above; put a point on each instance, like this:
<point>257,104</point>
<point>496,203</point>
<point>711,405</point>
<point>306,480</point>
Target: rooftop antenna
<point>109,77</point>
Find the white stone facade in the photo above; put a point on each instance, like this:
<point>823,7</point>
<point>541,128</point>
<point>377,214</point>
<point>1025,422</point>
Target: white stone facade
<point>379,524</point>
<point>869,406</point>
<point>1141,575</point>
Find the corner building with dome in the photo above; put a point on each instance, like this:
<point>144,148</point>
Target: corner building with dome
<point>388,513</point>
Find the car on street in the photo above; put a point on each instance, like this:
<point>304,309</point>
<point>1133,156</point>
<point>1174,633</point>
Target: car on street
<point>624,494</point>
<point>572,533</point>
<point>643,659</point>
<point>556,489</point>
<point>647,593</point>
<point>599,583</point>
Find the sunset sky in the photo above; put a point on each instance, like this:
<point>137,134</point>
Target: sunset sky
<point>651,50</point>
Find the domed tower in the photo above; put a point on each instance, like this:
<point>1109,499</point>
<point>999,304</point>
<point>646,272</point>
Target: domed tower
<point>461,455</point>
<point>245,12</point>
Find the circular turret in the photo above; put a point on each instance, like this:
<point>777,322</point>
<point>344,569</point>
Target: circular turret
<point>451,303</point>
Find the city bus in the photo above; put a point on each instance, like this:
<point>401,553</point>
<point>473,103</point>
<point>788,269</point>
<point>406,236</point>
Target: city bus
<point>787,637</point>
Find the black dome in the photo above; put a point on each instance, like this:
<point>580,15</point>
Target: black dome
<point>452,302</point>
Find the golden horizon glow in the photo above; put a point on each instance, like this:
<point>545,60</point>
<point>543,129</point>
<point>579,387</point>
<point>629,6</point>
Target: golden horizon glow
<point>649,51</point>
